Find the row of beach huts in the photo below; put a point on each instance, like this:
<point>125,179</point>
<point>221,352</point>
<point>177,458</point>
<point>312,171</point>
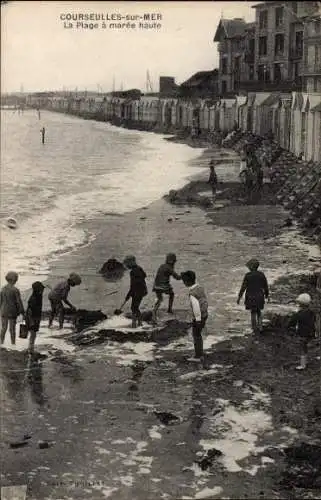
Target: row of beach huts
<point>294,119</point>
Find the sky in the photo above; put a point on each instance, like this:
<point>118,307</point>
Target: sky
<point>39,52</point>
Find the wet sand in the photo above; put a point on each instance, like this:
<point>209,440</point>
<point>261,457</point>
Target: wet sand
<point>98,403</point>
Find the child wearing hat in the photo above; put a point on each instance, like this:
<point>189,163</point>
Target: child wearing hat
<point>58,295</point>
<point>256,290</point>
<point>11,307</point>
<point>137,290</point>
<point>162,284</point>
<point>34,312</point>
<point>199,307</point>
<point>304,323</point>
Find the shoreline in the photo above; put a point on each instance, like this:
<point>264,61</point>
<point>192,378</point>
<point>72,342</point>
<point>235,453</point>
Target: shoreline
<point>243,399</point>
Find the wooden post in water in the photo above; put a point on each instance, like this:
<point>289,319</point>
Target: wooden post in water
<point>43,132</point>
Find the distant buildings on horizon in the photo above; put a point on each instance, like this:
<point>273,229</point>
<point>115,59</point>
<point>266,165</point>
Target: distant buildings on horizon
<point>279,51</point>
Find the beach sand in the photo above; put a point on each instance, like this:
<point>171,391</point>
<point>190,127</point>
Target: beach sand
<point>99,403</point>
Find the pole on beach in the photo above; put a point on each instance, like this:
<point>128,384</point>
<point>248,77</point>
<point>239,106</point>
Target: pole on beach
<point>43,133</point>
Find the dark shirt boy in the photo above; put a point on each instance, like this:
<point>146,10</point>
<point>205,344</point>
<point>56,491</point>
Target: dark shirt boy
<point>256,288</point>
<point>304,321</point>
<point>163,275</point>
<point>138,286</point>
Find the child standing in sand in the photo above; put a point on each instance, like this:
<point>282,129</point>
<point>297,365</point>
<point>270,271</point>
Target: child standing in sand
<point>162,284</point>
<point>58,295</point>
<point>304,322</point>
<point>137,290</point>
<point>199,306</point>
<point>34,312</point>
<point>11,307</point>
<point>256,290</point>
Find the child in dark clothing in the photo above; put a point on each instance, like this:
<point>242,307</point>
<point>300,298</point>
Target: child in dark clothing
<point>213,179</point>
<point>137,290</point>
<point>256,290</point>
<point>162,284</point>
<point>33,313</point>
<point>304,322</point>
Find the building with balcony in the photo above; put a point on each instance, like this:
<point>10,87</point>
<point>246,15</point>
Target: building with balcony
<point>281,50</point>
<point>309,16</point>
<point>230,35</point>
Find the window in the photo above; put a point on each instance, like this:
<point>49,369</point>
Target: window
<point>224,87</point>
<point>277,72</point>
<point>237,44</point>
<point>237,64</point>
<point>263,73</point>
<point>262,46</point>
<point>295,71</point>
<point>317,59</point>
<point>279,17</point>
<point>224,66</point>
<point>263,19</point>
<point>260,72</point>
<point>299,43</point>
<point>251,72</point>
<point>252,45</point>
<point>279,44</point>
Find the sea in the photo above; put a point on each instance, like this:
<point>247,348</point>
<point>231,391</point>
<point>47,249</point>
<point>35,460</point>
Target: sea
<point>83,170</point>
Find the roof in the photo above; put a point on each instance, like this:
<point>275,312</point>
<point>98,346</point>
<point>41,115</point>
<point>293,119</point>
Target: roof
<point>200,77</point>
<point>271,99</point>
<point>230,28</point>
<point>250,26</point>
<point>316,108</point>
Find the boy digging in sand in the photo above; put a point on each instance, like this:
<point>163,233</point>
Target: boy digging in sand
<point>256,290</point>
<point>162,284</point>
<point>58,295</point>
<point>137,290</point>
<point>200,312</point>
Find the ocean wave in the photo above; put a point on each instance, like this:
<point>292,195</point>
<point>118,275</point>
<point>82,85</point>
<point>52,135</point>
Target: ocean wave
<point>86,169</point>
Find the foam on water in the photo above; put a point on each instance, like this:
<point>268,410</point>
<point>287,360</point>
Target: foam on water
<point>47,339</point>
<point>50,189</point>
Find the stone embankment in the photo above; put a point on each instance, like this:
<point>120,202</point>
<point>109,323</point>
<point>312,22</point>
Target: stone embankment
<point>294,183</point>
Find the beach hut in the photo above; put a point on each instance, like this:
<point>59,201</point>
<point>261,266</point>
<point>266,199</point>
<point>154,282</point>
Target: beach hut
<point>249,111</point>
<point>315,110</point>
<point>285,122</point>
<point>304,121</point>
<point>227,114</point>
<point>295,138</point>
<point>241,111</point>
<point>260,97</point>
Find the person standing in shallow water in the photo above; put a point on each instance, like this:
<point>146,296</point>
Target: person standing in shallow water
<point>199,307</point>
<point>162,284</point>
<point>58,295</point>
<point>34,312</point>
<point>11,307</point>
<point>137,290</point>
<point>213,182</point>
<point>256,290</point>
